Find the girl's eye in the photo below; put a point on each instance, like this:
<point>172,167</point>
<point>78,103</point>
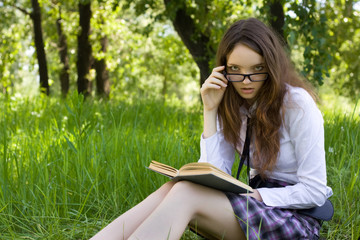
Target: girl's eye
<point>259,68</point>
<point>234,68</point>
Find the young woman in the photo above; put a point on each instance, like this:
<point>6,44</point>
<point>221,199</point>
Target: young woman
<point>253,88</point>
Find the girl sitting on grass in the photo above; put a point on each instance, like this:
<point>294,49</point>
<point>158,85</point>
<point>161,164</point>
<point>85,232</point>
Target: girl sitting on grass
<point>255,90</point>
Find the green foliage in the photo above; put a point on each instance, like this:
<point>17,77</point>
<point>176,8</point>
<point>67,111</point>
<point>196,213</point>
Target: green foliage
<point>309,25</point>
<point>70,167</point>
<point>14,41</point>
<point>322,36</point>
<point>154,65</point>
<point>136,54</point>
<point>344,31</point>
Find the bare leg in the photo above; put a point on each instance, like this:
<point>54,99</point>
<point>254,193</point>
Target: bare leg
<point>186,203</point>
<point>128,222</point>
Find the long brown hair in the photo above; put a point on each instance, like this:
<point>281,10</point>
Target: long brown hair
<point>267,119</point>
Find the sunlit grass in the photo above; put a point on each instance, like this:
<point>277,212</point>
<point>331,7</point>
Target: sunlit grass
<point>335,104</point>
<point>70,167</point>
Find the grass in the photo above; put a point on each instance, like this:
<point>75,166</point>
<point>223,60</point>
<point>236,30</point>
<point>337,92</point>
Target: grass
<point>70,167</point>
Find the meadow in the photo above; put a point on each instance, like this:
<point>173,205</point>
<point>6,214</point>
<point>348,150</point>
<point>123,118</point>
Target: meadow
<point>69,167</point>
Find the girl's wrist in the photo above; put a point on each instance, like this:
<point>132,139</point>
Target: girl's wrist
<point>256,195</point>
<point>209,123</point>
<point>212,111</point>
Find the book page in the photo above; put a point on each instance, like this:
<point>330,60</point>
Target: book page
<point>204,168</point>
<point>163,169</point>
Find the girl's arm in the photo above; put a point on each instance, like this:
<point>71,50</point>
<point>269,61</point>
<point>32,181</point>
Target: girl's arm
<point>303,158</point>
<point>214,148</point>
<point>212,92</point>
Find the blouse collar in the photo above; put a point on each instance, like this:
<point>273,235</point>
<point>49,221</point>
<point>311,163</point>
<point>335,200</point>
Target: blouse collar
<point>248,112</point>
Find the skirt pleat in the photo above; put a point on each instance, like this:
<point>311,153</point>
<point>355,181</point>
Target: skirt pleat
<point>259,221</point>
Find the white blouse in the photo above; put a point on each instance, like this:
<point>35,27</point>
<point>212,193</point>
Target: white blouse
<point>301,159</point>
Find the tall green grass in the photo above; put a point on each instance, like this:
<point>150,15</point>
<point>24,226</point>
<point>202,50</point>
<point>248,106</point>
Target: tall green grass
<point>342,144</point>
<point>69,167</point>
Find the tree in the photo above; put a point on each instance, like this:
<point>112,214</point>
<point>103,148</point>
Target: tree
<point>84,60</point>
<point>64,59</point>
<point>200,24</point>
<point>196,41</point>
<point>39,45</point>
<point>321,36</point>
<point>102,74</point>
<point>100,44</point>
<point>95,38</point>
<point>276,15</point>
<point>35,16</point>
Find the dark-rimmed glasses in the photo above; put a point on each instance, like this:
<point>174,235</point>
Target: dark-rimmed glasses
<point>238,77</point>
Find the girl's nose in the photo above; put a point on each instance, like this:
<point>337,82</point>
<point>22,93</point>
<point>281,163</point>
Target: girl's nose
<point>247,80</point>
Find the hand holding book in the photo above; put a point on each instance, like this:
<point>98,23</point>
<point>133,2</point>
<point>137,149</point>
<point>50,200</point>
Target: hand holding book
<point>255,194</point>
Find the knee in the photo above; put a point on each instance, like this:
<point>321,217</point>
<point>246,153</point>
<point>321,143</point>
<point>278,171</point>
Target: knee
<point>185,191</point>
<point>184,187</point>
<point>190,197</point>
<point>168,185</point>
<point>163,191</point>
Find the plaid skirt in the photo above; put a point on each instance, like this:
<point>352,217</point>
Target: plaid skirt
<point>259,221</point>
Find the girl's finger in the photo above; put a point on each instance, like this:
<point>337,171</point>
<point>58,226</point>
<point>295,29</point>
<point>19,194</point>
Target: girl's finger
<point>219,68</point>
<point>220,76</point>
<point>215,80</point>
<point>212,86</point>
<point>216,84</point>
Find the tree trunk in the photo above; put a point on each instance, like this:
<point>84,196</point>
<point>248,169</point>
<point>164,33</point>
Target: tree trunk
<point>349,8</point>
<point>277,16</point>
<point>196,42</point>
<point>39,46</point>
<point>102,74</point>
<point>64,72</point>
<point>84,50</point>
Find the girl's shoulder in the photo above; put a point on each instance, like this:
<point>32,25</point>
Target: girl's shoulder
<point>296,97</point>
<point>299,106</point>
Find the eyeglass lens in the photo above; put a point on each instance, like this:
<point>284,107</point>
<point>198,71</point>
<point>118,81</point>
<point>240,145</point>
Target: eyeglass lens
<point>253,77</point>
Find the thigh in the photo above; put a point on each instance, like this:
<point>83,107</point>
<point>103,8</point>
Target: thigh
<point>213,215</point>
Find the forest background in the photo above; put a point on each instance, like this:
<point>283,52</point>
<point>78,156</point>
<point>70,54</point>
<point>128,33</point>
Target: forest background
<point>91,91</point>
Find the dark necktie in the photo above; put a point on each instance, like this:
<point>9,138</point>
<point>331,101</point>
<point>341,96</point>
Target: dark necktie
<point>246,150</point>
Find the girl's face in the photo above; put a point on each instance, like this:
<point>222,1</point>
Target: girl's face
<point>244,60</point>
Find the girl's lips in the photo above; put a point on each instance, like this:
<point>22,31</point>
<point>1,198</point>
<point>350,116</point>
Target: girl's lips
<point>247,90</point>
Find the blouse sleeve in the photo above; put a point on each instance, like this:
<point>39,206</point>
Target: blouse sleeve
<point>304,123</point>
<point>217,151</point>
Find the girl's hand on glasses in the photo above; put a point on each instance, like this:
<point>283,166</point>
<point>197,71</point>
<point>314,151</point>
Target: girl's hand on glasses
<point>213,89</point>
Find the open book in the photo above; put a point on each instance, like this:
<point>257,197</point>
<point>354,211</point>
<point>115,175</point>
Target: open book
<point>202,173</point>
